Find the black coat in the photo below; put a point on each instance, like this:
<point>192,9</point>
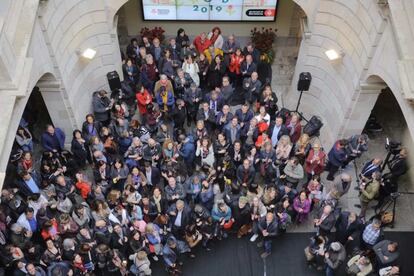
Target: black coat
<point>155,176</point>
<point>211,118</point>
<point>272,228</point>
<point>241,216</point>
<point>79,151</point>
<point>327,224</point>
<point>241,172</point>
<point>179,116</point>
<point>99,107</point>
<point>215,75</point>
<point>85,130</point>
<point>185,216</point>
<point>248,70</point>
<point>343,230</point>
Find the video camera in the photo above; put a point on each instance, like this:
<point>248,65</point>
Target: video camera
<point>392,147</point>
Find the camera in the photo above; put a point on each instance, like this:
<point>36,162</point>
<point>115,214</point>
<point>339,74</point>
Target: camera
<point>393,147</point>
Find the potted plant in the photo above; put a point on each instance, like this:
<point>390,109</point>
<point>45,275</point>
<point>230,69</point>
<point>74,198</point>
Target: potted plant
<point>263,40</point>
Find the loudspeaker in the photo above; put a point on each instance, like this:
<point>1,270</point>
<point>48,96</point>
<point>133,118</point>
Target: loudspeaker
<point>313,126</point>
<point>113,80</point>
<point>304,82</point>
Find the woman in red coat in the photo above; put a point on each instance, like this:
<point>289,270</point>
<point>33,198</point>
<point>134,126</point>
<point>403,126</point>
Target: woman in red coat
<point>143,99</point>
<point>236,60</point>
<point>315,162</point>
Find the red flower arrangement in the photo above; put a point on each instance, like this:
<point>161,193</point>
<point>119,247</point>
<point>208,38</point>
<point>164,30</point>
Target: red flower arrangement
<point>156,32</point>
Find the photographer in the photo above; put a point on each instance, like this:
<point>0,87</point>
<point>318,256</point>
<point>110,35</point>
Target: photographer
<point>356,146</point>
<point>398,165</point>
<point>368,192</point>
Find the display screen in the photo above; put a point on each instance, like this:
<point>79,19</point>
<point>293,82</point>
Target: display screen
<point>210,10</point>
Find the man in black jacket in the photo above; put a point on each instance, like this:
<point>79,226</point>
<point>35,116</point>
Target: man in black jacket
<point>240,211</point>
<point>268,229</point>
<point>206,115</point>
<point>348,230</point>
<point>132,49</point>
<point>325,220</point>
<point>180,216</point>
<point>245,176</point>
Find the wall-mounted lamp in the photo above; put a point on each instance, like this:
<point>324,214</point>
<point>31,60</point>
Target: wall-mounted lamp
<point>334,55</point>
<point>89,53</point>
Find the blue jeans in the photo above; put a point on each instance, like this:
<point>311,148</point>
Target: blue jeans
<point>28,147</point>
<point>267,243</point>
<point>329,271</point>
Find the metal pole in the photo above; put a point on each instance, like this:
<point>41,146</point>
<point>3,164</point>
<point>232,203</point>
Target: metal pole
<point>300,98</point>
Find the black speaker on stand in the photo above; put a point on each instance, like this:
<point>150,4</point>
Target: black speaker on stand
<point>304,82</point>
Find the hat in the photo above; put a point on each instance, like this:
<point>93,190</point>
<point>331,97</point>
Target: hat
<point>335,246</point>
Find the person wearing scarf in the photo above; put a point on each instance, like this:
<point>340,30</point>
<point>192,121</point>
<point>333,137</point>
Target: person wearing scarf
<point>165,100</point>
<point>216,38</point>
<point>79,268</point>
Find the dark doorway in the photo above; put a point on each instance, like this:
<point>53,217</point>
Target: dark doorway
<point>35,117</point>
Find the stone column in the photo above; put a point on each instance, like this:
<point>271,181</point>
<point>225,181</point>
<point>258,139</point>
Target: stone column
<point>359,112</point>
<point>58,111</point>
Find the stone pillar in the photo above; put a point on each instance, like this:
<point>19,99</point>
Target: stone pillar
<point>58,111</point>
<point>358,115</point>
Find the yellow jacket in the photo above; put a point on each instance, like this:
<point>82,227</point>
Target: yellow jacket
<point>217,52</point>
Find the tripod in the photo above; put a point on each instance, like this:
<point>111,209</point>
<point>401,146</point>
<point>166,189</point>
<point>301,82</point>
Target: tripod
<point>391,201</point>
<point>297,107</point>
<point>356,172</point>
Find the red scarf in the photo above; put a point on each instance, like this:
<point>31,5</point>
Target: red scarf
<point>27,164</point>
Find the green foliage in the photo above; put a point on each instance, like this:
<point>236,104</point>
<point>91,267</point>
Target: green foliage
<point>263,40</point>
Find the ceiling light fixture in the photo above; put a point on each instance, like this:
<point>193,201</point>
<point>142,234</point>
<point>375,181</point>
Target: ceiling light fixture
<point>89,53</point>
<point>333,54</point>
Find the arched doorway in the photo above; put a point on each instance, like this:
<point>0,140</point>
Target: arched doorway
<point>377,99</point>
<point>392,125</point>
<point>43,105</point>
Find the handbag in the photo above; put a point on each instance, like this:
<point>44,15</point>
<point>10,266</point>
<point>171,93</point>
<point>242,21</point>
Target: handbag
<point>387,217</point>
<point>228,225</point>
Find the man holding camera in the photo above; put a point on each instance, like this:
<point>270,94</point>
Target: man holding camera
<point>398,167</point>
<point>368,193</point>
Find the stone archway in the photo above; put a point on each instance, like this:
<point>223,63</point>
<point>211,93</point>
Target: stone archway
<point>61,115</point>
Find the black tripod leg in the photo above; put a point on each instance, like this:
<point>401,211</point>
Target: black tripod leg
<point>393,213</point>
<point>356,172</point>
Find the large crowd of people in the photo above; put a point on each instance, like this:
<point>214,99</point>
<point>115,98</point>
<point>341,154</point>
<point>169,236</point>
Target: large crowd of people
<point>192,149</point>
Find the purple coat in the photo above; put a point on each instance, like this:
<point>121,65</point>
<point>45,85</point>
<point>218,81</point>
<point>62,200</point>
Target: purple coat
<point>305,206</point>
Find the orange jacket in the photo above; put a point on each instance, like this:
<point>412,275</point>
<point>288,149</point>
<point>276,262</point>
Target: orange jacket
<point>84,189</point>
<point>235,63</point>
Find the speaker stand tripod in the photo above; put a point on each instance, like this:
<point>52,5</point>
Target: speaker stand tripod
<point>297,108</point>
